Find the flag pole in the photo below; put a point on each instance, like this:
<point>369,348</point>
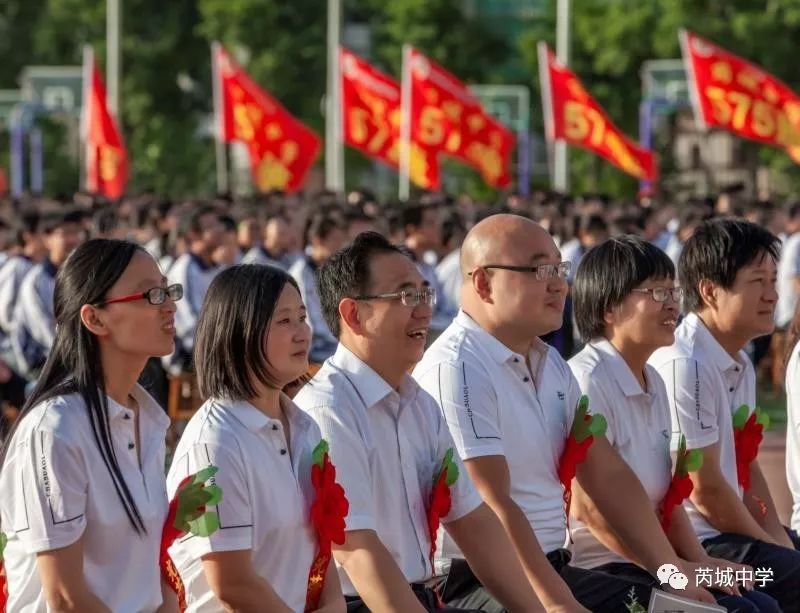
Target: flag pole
<point>334,152</point>
<point>561,173</point>
<point>86,100</point>
<point>404,188</point>
<point>219,142</point>
<point>547,105</point>
<point>113,55</point>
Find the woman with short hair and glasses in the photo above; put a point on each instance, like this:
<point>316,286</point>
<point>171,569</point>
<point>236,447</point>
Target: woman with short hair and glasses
<point>82,473</point>
<point>626,306</point>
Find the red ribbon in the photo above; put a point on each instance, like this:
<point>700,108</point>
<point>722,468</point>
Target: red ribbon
<point>574,454</point>
<point>169,534</point>
<point>3,588</point>
<point>441,502</point>
<point>328,514</point>
<point>680,488</point>
<point>747,440</point>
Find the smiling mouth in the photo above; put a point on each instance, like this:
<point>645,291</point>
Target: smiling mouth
<point>418,334</point>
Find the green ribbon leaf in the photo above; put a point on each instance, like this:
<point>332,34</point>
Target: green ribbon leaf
<point>740,416</point>
<point>3,543</point>
<point>204,475</point>
<point>583,405</point>
<point>762,417</point>
<point>681,447</point>
<point>452,474</point>
<point>694,461</point>
<point>598,425</point>
<point>214,493</point>
<point>205,525</point>
<point>318,455</point>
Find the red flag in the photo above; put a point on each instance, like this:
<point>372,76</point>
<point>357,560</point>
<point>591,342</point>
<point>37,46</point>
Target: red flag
<point>282,149</point>
<point>371,119</point>
<point>571,114</point>
<point>105,156</point>
<point>731,93</point>
<point>446,116</point>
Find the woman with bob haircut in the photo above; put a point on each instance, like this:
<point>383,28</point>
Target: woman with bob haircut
<point>83,490</point>
<point>252,340</point>
<point>626,306</point>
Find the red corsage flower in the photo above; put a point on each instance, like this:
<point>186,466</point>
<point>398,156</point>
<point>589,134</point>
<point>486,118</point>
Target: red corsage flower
<point>328,513</point>
<point>748,432</point>
<point>681,485</point>
<point>585,428</point>
<point>3,586</point>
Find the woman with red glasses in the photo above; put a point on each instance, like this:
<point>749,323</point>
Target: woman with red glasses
<point>82,473</point>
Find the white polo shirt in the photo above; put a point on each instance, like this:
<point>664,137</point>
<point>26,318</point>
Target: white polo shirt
<point>793,432</point>
<point>494,407</point>
<point>56,489</point>
<point>705,386</point>
<point>266,496</point>
<point>387,447</point>
<point>638,428</point>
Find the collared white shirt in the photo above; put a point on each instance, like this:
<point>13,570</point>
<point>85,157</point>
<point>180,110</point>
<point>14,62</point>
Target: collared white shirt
<point>387,447</point>
<point>195,276</point>
<point>788,273</point>
<point>323,342</point>
<point>448,272</point>
<point>638,428</point>
<point>259,255</point>
<point>266,496</point>
<point>494,405</point>
<point>793,433</point>
<point>56,489</point>
<point>705,386</point>
<point>34,328</point>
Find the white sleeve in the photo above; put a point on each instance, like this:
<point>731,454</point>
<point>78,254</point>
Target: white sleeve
<point>692,403</point>
<point>235,510</point>
<point>466,396</point>
<point>465,498</point>
<point>187,310</point>
<point>350,456</point>
<point>599,404</point>
<point>52,487</point>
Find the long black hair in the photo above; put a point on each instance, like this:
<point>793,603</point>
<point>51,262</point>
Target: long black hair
<point>73,365</point>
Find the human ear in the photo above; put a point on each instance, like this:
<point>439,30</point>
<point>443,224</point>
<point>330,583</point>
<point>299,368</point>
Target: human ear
<point>348,311</point>
<point>708,293</point>
<point>92,321</point>
<point>482,284</point>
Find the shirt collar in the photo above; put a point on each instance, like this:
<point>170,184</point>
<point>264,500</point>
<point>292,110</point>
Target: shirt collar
<point>254,419</point>
<point>369,385</point>
<point>147,406</point>
<point>710,345</point>
<point>619,367</point>
<point>49,268</point>
<point>497,350</point>
<point>200,263</point>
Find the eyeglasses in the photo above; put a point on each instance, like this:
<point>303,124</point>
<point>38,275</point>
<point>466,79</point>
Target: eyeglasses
<point>155,296</point>
<point>660,294</point>
<point>543,272</point>
<point>409,298</point>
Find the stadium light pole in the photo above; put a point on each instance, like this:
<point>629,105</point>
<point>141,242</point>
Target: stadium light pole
<point>334,152</point>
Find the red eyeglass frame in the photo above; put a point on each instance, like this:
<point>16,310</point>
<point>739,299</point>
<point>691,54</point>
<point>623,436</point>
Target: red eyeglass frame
<point>141,295</point>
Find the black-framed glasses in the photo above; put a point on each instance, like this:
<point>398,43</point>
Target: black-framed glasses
<point>155,295</point>
<point>543,272</point>
<point>409,297</point>
<point>660,294</point>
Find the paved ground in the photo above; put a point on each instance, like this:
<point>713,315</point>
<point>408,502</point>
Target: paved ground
<point>772,458</point>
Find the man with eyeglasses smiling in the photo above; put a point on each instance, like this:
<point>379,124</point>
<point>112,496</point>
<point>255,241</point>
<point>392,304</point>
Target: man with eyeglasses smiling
<point>388,440</point>
<point>510,400</point>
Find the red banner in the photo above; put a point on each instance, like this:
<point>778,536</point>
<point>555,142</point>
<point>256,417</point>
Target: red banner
<point>446,117</point>
<point>282,149</point>
<point>371,119</point>
<point>571,114</point>
<point>731,93</point>
<point>105,156</point>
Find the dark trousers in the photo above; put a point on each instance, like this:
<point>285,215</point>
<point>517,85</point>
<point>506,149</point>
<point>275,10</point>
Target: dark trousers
<point>425,594</point>
<point>749,602</point>
<point>784,563</point>
<point>597,591</point>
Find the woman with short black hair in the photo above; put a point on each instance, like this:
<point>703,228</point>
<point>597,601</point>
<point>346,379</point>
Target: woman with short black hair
<point>84,496</point>
<point>252,340</point>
